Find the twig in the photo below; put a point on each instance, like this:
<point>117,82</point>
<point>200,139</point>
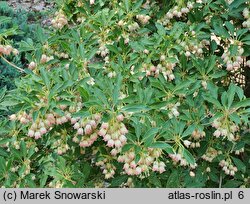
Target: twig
<point>20,69</point>
<point>220,181</point>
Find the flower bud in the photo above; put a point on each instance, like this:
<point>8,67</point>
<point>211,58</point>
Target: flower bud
<point>138,170</point>
<point>37,135</point>
<point>120,117</point>
<point>114,152</point>
<point>192,174</point>
<point>123,139</point>
<point>80,131</point>
<point>12,117</point>
<point>105,125</point>
<point>102,132</point>
<point>111,143</point>
<point>118,143</point>
<point>187,143</point>
<point>76,126</point>
<point>84,143</point>
<point>88,129</point>
<point>31,133</point>
<point>43,130</point>
<point>217,133</point>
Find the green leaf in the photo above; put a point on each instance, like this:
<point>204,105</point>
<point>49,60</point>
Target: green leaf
<point>188,131</point>
<point>240,33</point>
<point>188,156</point>
<point>23,148</point>
<point>2,165</point>
<point>43,179</point>
<point>239,145</point>
<point>127,5</point>
<point>224,98</point>
<point>241,104</point>
<point>86,170</point>
<point>246,38</point>
<point>84,94</point>
<point>162,145</point>
<point>213,101</point>
<point>234,117</point>
<point>4,141</point>
<point>113,48</point>
<point>212,63</point>
<point>232,184</point>
<point>213,90</point>
<point>137,5</point>
<point>213,176</point>
<point>230,27</point>
<point>127,147</point>
<point>45,77</point>
<point>220,30</point>
<point>5,20</point>
<point>218,74</point>
<point>239,92</point>
<point>236,4</point>
<point>138,128</point>
<point>174,179</point>
<point>135,108</point>
<point>117,181</point>
<point>2,92</point>
<point>183,85</point>
<point>149,136</point>
<point>231,93</point>
<point>160,29</point>
<point>154,180</point>
<point>117,89</point>
<point>40,34</point>
<point>239,164</point>
<point>3,152</point>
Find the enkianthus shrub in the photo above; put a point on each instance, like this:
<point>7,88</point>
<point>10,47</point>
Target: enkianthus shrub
<point>132,94</point>
<point>16,26</point>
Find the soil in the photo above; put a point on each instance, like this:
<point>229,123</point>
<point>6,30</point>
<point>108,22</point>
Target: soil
<point>31,5</point>
<point>35,6</point>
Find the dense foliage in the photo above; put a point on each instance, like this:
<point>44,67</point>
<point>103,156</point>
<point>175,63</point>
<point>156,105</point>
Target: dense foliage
<point>132,94</point>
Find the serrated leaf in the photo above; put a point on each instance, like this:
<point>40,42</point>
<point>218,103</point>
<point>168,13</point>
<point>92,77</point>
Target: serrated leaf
<point>149,136</point>
<point>45,77</point>
<point>113,48</point>
<point>188,131</point>
<point>230,27</point>
<point>127,147</point>
<point>212,63</point>
<point>84,94</point>
<point>231,93</point>
<point>213,101</point>
<point>234,117</point>
<point>173,180</point>
<point>135,108</point>
<point>232,184</point>
<point>117,88</point>
<point>163,146</point>
<point>241,104</point>
<point>137,5</point>
<point>236,4</point>
<point>2,165</point>
<point>188,156</point>
<point>127,5</point>
<point>117,181</point>
<point>239,164</point>
<point>160,29</point>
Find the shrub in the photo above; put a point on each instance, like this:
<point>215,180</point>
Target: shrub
<point>132,94</point>
<point>15,27</point>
